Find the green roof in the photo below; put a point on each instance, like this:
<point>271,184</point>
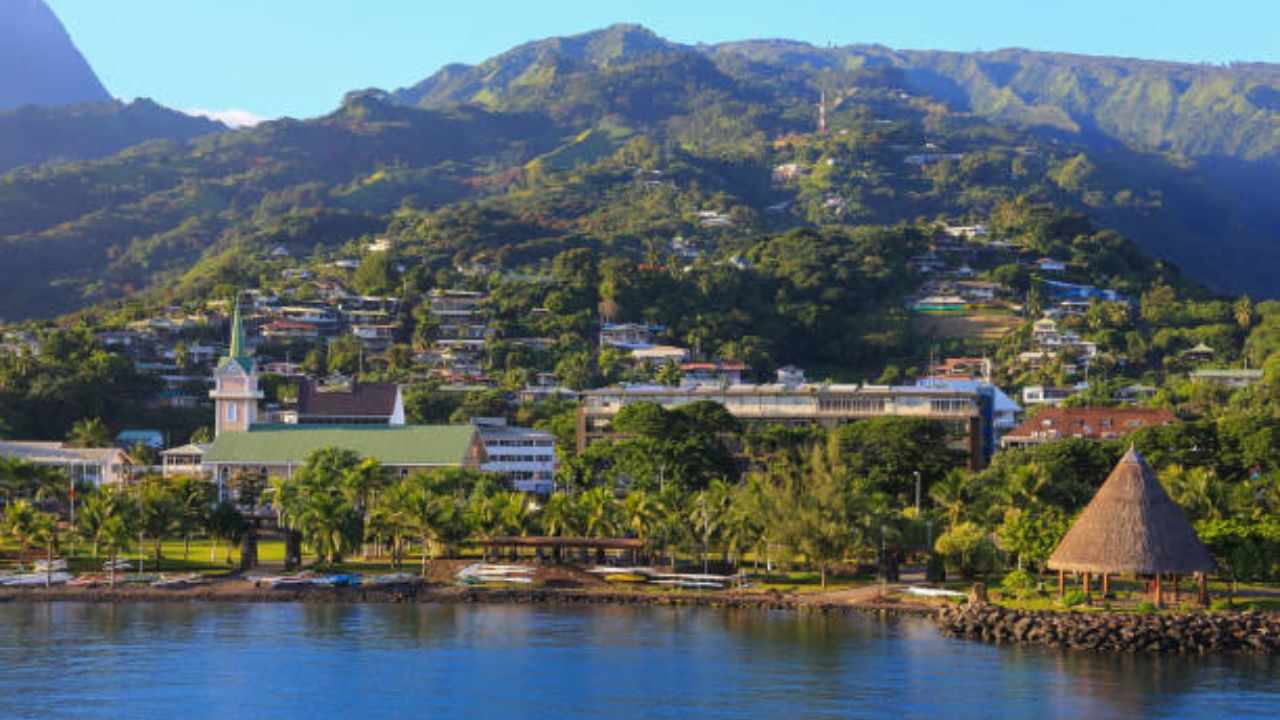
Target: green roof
<point>402,445</point>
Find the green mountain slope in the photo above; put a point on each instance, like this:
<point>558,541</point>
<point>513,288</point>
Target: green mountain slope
<point>35,135</point>
<point>621,140</point>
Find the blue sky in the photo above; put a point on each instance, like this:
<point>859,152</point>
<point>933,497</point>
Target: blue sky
<point>269,58</point>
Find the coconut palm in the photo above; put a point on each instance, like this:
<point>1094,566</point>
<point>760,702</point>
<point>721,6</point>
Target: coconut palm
<point>193,499</point>
<point>362,483</point>
<point>330,525</point>
<point>113,536</point>
<point>20,524</point>
<point>89,433</point>
<point>47,534</point>
<point>640,515</point>
<point>438,518</point>
<point>951,494</point>
<point>157,512</point>
<point>226,524</point>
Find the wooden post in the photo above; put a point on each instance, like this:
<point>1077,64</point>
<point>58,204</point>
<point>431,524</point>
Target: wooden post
<point>1106,585</point>
<point>1202,582</point>
<point>1158,593</point>
<point>1088,598</point>
<point>1177,589</point>
<point>1062,583</point>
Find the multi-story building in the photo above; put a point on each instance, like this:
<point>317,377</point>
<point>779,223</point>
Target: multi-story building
<point>526,457</point>
<point>792,401</point>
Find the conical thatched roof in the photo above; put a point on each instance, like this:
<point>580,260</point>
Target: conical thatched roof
<point>1132,526</point>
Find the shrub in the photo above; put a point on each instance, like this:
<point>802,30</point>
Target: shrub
<point>1073,598</point>
<point>1146,607</point>
<point>1220,604</point>
<point>1018,584</point>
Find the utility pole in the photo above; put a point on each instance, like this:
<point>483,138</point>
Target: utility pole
<point>917,474</point>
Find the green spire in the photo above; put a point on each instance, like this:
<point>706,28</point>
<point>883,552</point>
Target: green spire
<point>237,351</point>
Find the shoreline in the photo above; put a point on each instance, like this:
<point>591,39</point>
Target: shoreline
<point>1178,634</point>
<point>453,595</point>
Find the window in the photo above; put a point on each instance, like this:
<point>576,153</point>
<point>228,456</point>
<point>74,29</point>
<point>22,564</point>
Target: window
<point>231,412</point>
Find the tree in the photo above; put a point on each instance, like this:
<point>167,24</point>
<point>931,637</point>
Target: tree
<point>192,497</point>
<point>809,507</point>
<point>20,524</point>
<point>966,545</point>
<point>89,433</point>
<point>113,536</point>
<point>48,535</point>
<point>376,274</point>
<point>157,512</point>
<point>226,524</point>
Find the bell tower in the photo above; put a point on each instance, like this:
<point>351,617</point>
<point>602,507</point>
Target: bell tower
<point>235,392</point>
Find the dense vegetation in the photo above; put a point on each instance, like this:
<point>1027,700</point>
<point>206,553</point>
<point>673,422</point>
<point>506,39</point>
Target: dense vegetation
<point>538,139</point>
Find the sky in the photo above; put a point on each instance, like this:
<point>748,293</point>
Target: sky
<point>245,60</point>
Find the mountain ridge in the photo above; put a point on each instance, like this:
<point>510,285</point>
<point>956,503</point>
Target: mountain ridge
<point>39,61</point>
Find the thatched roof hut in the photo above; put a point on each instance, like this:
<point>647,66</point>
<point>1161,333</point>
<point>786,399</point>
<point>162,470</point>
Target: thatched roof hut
<point>1132,526</point>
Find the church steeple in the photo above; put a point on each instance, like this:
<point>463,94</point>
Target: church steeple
<point>236,392</point>
<point>237,336</point>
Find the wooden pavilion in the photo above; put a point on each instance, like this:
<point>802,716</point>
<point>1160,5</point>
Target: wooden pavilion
<point>1132,526</point>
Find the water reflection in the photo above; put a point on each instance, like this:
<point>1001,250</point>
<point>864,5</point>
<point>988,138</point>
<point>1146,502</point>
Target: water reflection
<point>325,660</point>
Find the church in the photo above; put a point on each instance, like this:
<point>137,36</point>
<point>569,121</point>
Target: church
<point>244,444</point>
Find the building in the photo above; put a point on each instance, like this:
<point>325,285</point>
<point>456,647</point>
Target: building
<point>971,368</point>
<point>1132,527</point>
<point>628,336</point>
<point>89,466</point>
<point>1087,423</point>
<point>1227,377</point>
<point>794,402</point>
<point>153,439</point>
<point>659,354</point>
<point>185,460</point>
<point>1045,395</point>
<point>1004,411</point>
<point>344,401</point>
<point>712,373</point>
<point>525,457</point>
<point>242,444</point>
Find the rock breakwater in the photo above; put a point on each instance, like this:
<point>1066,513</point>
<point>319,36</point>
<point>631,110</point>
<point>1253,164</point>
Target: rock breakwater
<point>1181,633</point>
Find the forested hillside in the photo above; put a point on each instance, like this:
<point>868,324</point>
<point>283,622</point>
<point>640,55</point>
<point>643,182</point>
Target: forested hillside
<point>619,138</point>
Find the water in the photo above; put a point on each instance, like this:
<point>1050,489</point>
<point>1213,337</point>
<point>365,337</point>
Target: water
<point>379,661</point>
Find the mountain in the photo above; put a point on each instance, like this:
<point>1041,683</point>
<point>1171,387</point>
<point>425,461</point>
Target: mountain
<point>1207,138</point>
<point>33,135</point>
<point>39,63</point>
<point>619,140</point>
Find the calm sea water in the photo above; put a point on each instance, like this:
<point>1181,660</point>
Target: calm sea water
<point>370,661</point>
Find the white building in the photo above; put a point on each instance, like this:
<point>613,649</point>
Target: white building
<point>524,456</point>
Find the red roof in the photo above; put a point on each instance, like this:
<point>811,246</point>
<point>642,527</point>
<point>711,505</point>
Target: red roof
<point>1090,423</point>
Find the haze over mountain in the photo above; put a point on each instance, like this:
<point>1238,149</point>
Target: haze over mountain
<point>39,63</point>
<point>1177,157</point>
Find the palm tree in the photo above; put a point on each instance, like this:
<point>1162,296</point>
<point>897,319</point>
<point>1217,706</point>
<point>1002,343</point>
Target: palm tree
<point>20,524</point>
<point>437,517</point>
<point>951,493</point>
<point>361,484</point>
<point>158,512</point>
<point>286,500</point>
<point>226,524</point>
<point>329,525</point>
<point>559,517</point>
<point>89,433</point>
<point>640,515</point>
<point>598,510</point>
<point>113,536</point>
<point>47,534</point>
<point>192,502</point>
